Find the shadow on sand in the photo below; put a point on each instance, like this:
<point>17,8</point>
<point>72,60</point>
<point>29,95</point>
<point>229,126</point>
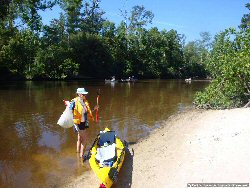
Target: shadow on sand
<point>124,178</point>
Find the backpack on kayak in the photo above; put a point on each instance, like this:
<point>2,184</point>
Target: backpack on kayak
<point>106,151</point>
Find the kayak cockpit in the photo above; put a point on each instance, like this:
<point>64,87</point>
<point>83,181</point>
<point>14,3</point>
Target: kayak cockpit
<point>107,156</point>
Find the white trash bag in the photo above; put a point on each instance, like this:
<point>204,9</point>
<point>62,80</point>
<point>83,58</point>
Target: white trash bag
<point>66,119</point>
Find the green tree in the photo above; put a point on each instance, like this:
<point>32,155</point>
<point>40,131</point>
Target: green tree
<point>173,54</point>
<point>28,12</point>
<point>19,53</point>
<point>192,66</point>
<point>122,65</point>
<point>108,29</point>
<point>92,17</point>
<point>229,65</point>
<point>133,28</point>
<point>245,20</point>
<point>53,62</point>
<point>92,55</point>
<point>204,46</point>
<point>55,33</point>
<point>139,18</point>
<point>4,9</point>
<point>72,8</point>
<point>152,54</point>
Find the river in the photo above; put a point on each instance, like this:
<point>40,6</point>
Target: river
<point>36,152</point>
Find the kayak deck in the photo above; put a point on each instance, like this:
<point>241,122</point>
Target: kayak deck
<point>107,173</point>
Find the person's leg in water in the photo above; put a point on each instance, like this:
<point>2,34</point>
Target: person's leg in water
<point>83,141</point>
<point>78,143</point>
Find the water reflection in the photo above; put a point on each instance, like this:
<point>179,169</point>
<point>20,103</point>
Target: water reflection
<point>50,140</point>
<point>37,152</point>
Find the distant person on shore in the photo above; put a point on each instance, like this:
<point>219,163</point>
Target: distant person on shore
<point>82,114</point>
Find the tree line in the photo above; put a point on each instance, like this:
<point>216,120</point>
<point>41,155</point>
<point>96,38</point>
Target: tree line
<point>81,43</point>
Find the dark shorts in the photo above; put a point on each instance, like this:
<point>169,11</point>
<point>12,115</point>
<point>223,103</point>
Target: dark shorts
<point>83,126</point>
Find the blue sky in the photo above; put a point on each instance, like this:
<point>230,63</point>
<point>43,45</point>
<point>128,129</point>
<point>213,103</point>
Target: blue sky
<point>188,17</point>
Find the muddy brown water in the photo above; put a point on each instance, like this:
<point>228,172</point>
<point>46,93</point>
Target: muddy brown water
<point>36,152</point>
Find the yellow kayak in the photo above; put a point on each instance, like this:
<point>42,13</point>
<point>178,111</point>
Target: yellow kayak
<point>106,157</point>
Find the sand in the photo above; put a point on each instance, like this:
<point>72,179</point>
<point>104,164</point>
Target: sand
<point>197,146</point>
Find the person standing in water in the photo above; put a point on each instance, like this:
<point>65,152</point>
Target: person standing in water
<point>81,115</point>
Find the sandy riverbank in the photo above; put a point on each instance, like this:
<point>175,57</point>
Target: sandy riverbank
<point>195,146</point>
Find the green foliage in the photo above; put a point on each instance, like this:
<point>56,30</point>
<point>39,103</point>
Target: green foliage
<point>4,9</point>
<point>245,21</point>
<point>92,17</point>
<point>194,65</point>
<point>229,65</point>
<point>69,68</point>
<point>72,9</point>
<point>18,55</point>
<point>159,54</point>
<point>81,43</point>
<point>55,33</point>
<point>51,62</point>
<point>217,96</point>
<point>92,55</point>
<point>139,19</point>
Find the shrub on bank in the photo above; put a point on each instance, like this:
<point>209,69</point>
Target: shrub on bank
<point>229,65</point>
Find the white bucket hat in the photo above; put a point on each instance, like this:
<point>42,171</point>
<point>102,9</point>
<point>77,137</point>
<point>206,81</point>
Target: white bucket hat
<point>81,91</point>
